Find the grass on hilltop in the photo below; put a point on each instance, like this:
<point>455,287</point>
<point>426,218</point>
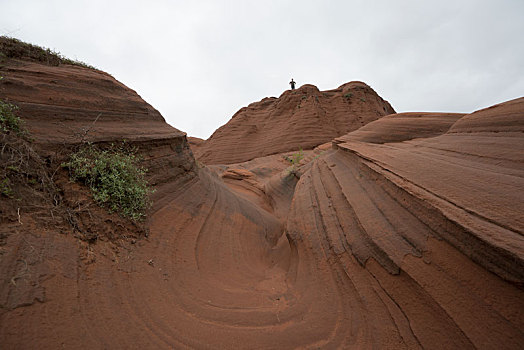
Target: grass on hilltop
<point>16,49</point>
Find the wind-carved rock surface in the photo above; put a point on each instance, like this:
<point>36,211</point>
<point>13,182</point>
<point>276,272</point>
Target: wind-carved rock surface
<point>302,118</point>
<point>439,214</point>
<point>406,233</point>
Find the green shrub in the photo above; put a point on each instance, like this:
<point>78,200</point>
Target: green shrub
<point>297,157</point>
<point>9,122</point>
<point>5,188</point>
<point>294,160</point>
<point>115,178</point>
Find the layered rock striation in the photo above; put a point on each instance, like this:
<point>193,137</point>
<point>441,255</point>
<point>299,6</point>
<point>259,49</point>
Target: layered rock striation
<point>422,234</point>
<point>65,105</point>
<point>302,118</point>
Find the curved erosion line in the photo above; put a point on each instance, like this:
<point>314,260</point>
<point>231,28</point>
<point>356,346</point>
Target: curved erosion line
<point>368,190</point>
<point>376,251</point>
<point>59,106</point>
<point>450,160</point>
<point>422,189</point>
<point>328,254</point>
<point>497,259</point>
<point>335,259</point>
<point>474,155</point>
<point>203,228</point>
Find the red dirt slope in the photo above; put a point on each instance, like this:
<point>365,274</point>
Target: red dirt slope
<point>302,118</point>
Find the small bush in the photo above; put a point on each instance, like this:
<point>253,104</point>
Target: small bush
<point>9,122</point>
<point>115,178</point>
<point>294,160</point>
<point>297,157</point>
<point>5,188</point>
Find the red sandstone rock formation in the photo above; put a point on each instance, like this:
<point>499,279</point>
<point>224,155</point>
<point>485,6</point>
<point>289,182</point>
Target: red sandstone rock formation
<point>405,126</point>
<point>65,105</point>
<point>407,234</point>
<point>194,142</point>
<point>302,118</point>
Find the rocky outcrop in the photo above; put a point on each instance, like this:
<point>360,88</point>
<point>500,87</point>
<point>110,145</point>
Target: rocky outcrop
<point>194,142</point>
<point>302,118</point>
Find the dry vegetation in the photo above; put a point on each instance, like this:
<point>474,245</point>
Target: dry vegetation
<point>14,48</point>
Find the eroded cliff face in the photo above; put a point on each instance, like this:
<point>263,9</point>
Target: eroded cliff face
<point>405,233</point>
<point>302,118</point>
<point>66,105</point>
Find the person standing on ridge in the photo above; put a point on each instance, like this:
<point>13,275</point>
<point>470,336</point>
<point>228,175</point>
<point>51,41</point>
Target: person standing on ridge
<point>292,83</point>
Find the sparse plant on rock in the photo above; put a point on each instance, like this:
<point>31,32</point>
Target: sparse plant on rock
<point>297,157</point>
<point>294,160</point>
<point>9,121</point>
<point>5,188</point>
<point>115,178</point>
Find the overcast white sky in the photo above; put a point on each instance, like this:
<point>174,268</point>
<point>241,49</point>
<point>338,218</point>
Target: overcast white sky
<point>198,62</point>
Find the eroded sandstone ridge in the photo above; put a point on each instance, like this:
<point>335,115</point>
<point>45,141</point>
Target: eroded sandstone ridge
<point>405,233</point>
<point>302,118</point>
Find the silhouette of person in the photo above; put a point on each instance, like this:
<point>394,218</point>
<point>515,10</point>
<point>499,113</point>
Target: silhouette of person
<point>292,83</point>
